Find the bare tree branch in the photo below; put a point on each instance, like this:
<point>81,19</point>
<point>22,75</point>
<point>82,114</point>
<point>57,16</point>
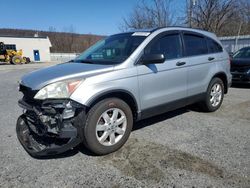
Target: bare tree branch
<point>149,15</point>
<point>217,16</point>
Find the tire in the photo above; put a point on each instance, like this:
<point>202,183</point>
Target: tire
<point>17,60</point>
<point>216,89</point>
<point>27,60</point>
<point>102,134</point>
<point>24,60</point>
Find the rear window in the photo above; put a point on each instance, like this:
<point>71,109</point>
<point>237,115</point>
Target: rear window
<point>195,45</point>
<point>213,46</point>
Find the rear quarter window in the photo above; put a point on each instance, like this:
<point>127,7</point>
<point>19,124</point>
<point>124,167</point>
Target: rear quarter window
<point>213,46</point>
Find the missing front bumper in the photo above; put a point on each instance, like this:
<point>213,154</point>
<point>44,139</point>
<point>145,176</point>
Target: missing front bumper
<point>38,146</point>
<point>39,138</point>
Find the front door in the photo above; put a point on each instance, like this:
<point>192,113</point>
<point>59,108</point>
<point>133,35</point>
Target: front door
<point>162,84</point>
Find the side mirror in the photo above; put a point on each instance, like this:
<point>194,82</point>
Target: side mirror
<point>152,59</point>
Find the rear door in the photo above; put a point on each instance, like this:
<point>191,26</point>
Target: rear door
<point>160,84</point>
<point>199,63</point>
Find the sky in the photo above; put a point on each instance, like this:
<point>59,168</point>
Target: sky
<point>101,17</point>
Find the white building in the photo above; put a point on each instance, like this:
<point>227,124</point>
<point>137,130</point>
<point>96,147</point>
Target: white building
<point>36,48</point>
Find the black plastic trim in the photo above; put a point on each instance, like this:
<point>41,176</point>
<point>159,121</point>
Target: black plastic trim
<point>92,100</point>
<point>160,109</point>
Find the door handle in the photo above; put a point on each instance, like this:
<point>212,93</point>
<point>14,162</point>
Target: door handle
<point>180,63</point>
<point>211,58</point>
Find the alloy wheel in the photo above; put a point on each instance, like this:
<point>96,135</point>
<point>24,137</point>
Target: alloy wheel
<point>216,95</point>
<point>111,126</point>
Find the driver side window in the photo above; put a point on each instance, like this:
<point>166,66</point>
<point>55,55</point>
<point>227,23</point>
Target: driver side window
<point>168,45</point>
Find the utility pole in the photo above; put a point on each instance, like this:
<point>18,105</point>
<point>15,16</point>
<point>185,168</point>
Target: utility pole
<point>190,5</point>
<point>237,37</point>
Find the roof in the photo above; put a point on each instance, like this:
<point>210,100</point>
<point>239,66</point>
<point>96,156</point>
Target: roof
<point>25,40</point>
<point>170,28</point>
<point>157,28</point>
<point>9,36</point>
<point>203,32</point>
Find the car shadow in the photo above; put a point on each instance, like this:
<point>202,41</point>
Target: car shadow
<point>138,125</point>
<point>156,119</point>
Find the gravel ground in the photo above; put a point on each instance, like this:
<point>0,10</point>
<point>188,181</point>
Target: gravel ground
<point>183,148</point>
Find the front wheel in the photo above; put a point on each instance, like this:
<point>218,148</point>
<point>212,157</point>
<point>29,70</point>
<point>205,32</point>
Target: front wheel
<point>16,60</point>
<point>108,126</point>
<point>214,95</point>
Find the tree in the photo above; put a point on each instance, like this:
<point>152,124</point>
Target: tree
<point>155,13</point>
<point>245,14</point>
<point>223,17</point>
<point>71,37</point>
<point>214,15</point>
<point>61,41</point>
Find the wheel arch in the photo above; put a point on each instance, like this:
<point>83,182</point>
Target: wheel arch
<point>223,77</point>
<point>124,95</point>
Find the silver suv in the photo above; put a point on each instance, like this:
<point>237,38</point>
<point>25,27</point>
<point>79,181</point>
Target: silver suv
<point>96,98</point>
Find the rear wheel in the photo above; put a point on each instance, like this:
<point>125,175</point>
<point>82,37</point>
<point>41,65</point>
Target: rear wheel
<point>24,60</point>
<point>108,126</point>
<point>27,60</point>
<point>214,95</point>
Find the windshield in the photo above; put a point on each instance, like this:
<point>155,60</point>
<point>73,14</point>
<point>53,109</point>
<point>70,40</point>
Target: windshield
<point>242,53</point>
<point>112,50</point>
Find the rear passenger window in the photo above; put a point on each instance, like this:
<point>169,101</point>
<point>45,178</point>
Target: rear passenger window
<point>195,45</point>
<point>168,45</point>
<point>213,47</point>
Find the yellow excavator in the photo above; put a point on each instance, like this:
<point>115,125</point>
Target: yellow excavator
<point>11,55</point>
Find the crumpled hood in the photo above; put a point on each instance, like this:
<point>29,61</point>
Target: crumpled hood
<point>40,78</point>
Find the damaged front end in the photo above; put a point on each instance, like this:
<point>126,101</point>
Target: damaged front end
<point>49,127</point>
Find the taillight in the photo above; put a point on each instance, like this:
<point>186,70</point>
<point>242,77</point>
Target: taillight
<point>230,63</point>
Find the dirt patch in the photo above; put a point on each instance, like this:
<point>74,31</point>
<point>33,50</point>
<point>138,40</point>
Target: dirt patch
<point>151,162</point>
<point>145,160</point>
<point>135,161</point>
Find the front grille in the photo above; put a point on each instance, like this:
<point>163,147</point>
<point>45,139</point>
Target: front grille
<point>28,94</point>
